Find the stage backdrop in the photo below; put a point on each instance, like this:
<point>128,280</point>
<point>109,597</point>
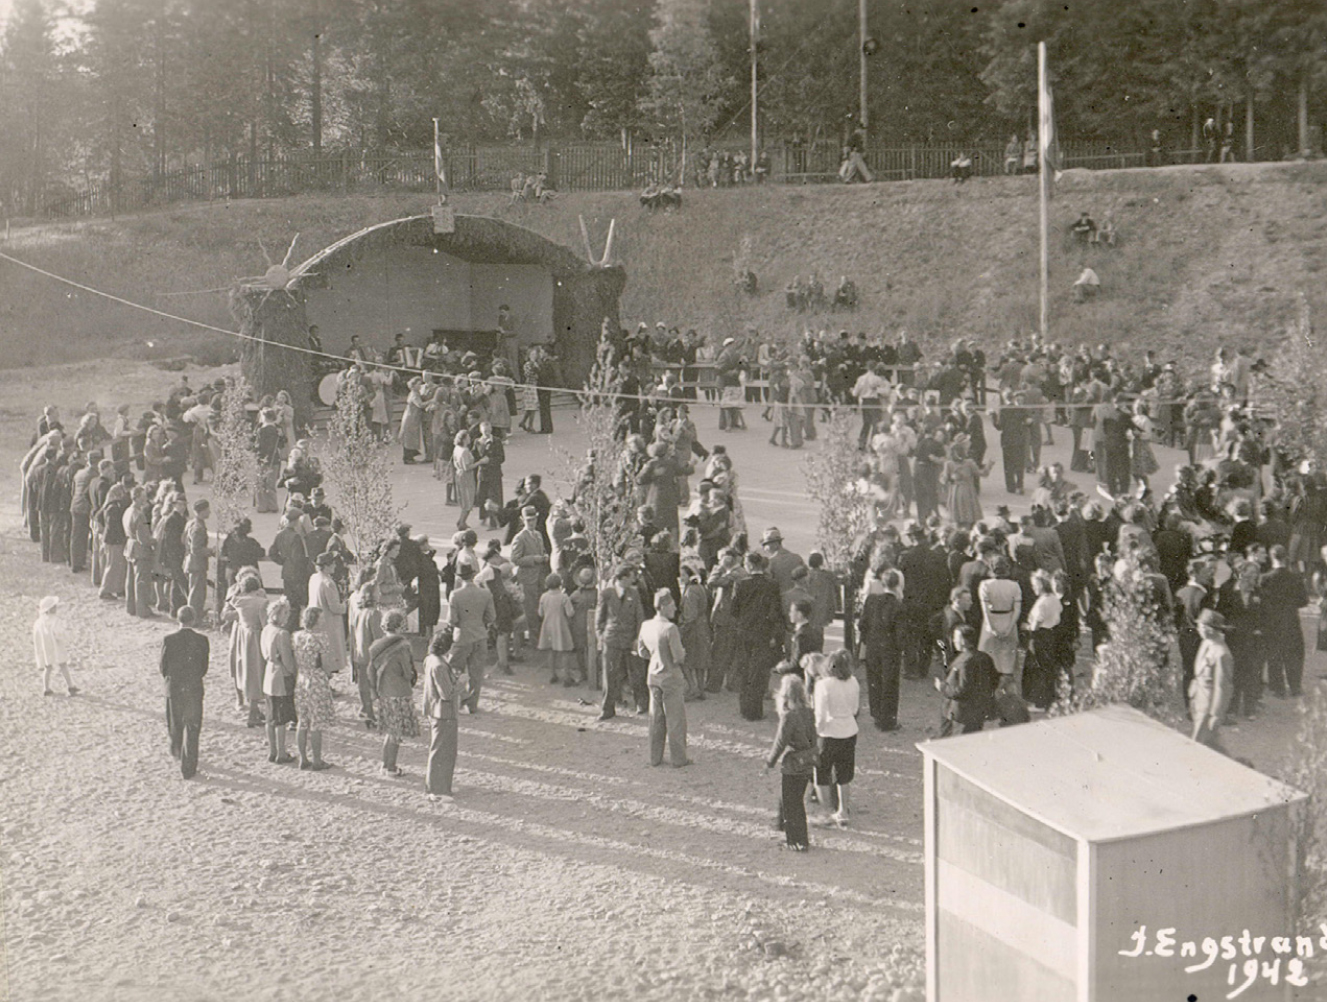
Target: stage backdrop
<point>415,290</point>
<point>402,276</point>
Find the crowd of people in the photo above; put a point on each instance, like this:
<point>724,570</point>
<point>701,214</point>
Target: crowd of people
<point>988,607</point>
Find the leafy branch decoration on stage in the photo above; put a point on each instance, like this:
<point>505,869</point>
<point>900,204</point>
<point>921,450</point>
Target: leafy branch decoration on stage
<point>235,476</point>
<point>1134,665</point>
<point>606,504</point>
<point>270,309</point>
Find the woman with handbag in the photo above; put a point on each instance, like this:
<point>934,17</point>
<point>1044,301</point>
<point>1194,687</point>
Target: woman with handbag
<point>392,666</point>
<point>795,748</point>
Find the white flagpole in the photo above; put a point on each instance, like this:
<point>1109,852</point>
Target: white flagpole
<point>1044,180</point>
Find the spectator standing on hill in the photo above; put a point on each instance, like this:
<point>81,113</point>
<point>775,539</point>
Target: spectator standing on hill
<point>854,162</point>
<point>960,168</point>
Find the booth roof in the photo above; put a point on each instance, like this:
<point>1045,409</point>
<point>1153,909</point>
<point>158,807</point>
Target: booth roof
<point>1108,774</point>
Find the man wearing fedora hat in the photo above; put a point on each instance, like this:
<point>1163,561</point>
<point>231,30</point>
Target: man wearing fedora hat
<point>782,562</point>
<point>184,656</point>
<point>1213,678</point>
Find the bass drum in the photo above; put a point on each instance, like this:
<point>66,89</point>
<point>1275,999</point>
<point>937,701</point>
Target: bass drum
<point>327,389</point>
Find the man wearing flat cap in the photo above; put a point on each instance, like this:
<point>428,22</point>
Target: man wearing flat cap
<point>184,655</point>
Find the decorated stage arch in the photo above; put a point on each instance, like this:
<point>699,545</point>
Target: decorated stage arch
<point>403,276</point>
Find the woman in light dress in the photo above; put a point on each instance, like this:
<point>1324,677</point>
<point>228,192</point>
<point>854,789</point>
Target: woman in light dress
<point>380,406</point>
<point>392,664</point>
<point>463,465</point>
<point>278,679</point>
<point>963,477</point>
<point>245,612</point>
<point>285,417</point>
<point>1001,601</point>
<point>412,421</point>
<point>391,593</point>
<point>313,691</point>
<point>325,594</point>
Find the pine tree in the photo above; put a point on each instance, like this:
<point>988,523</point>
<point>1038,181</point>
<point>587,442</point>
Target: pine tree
<point>687,86</point>
<point>29,106</point>
<point>612,57</point>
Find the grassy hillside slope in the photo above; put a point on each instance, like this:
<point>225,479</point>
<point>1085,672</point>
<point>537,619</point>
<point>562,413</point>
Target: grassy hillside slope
<point>1207,255</point>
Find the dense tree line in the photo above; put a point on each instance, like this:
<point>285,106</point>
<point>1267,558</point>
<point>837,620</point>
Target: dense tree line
<point>128,88</point>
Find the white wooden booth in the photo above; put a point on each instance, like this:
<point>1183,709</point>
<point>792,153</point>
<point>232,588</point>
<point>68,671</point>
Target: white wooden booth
<point>1050,845</point>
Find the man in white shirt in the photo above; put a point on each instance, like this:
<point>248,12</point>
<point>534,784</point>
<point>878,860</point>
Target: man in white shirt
<point>872,392</point>
<point>1087,285</point>
<point>661,642</point>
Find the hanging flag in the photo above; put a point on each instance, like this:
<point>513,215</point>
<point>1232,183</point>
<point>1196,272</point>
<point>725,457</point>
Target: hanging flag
<point>1048,149</point>
<point>439,171</point>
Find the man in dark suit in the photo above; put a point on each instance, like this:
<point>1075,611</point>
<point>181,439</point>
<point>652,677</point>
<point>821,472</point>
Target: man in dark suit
<point>1174,548</point>
<point>184,656</point>
<point>1282,597</point>
<point>758,610</point>
<point>969,690</point>
<point>807,638</point>
<point>947,620</point>
<point>925,591</point>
